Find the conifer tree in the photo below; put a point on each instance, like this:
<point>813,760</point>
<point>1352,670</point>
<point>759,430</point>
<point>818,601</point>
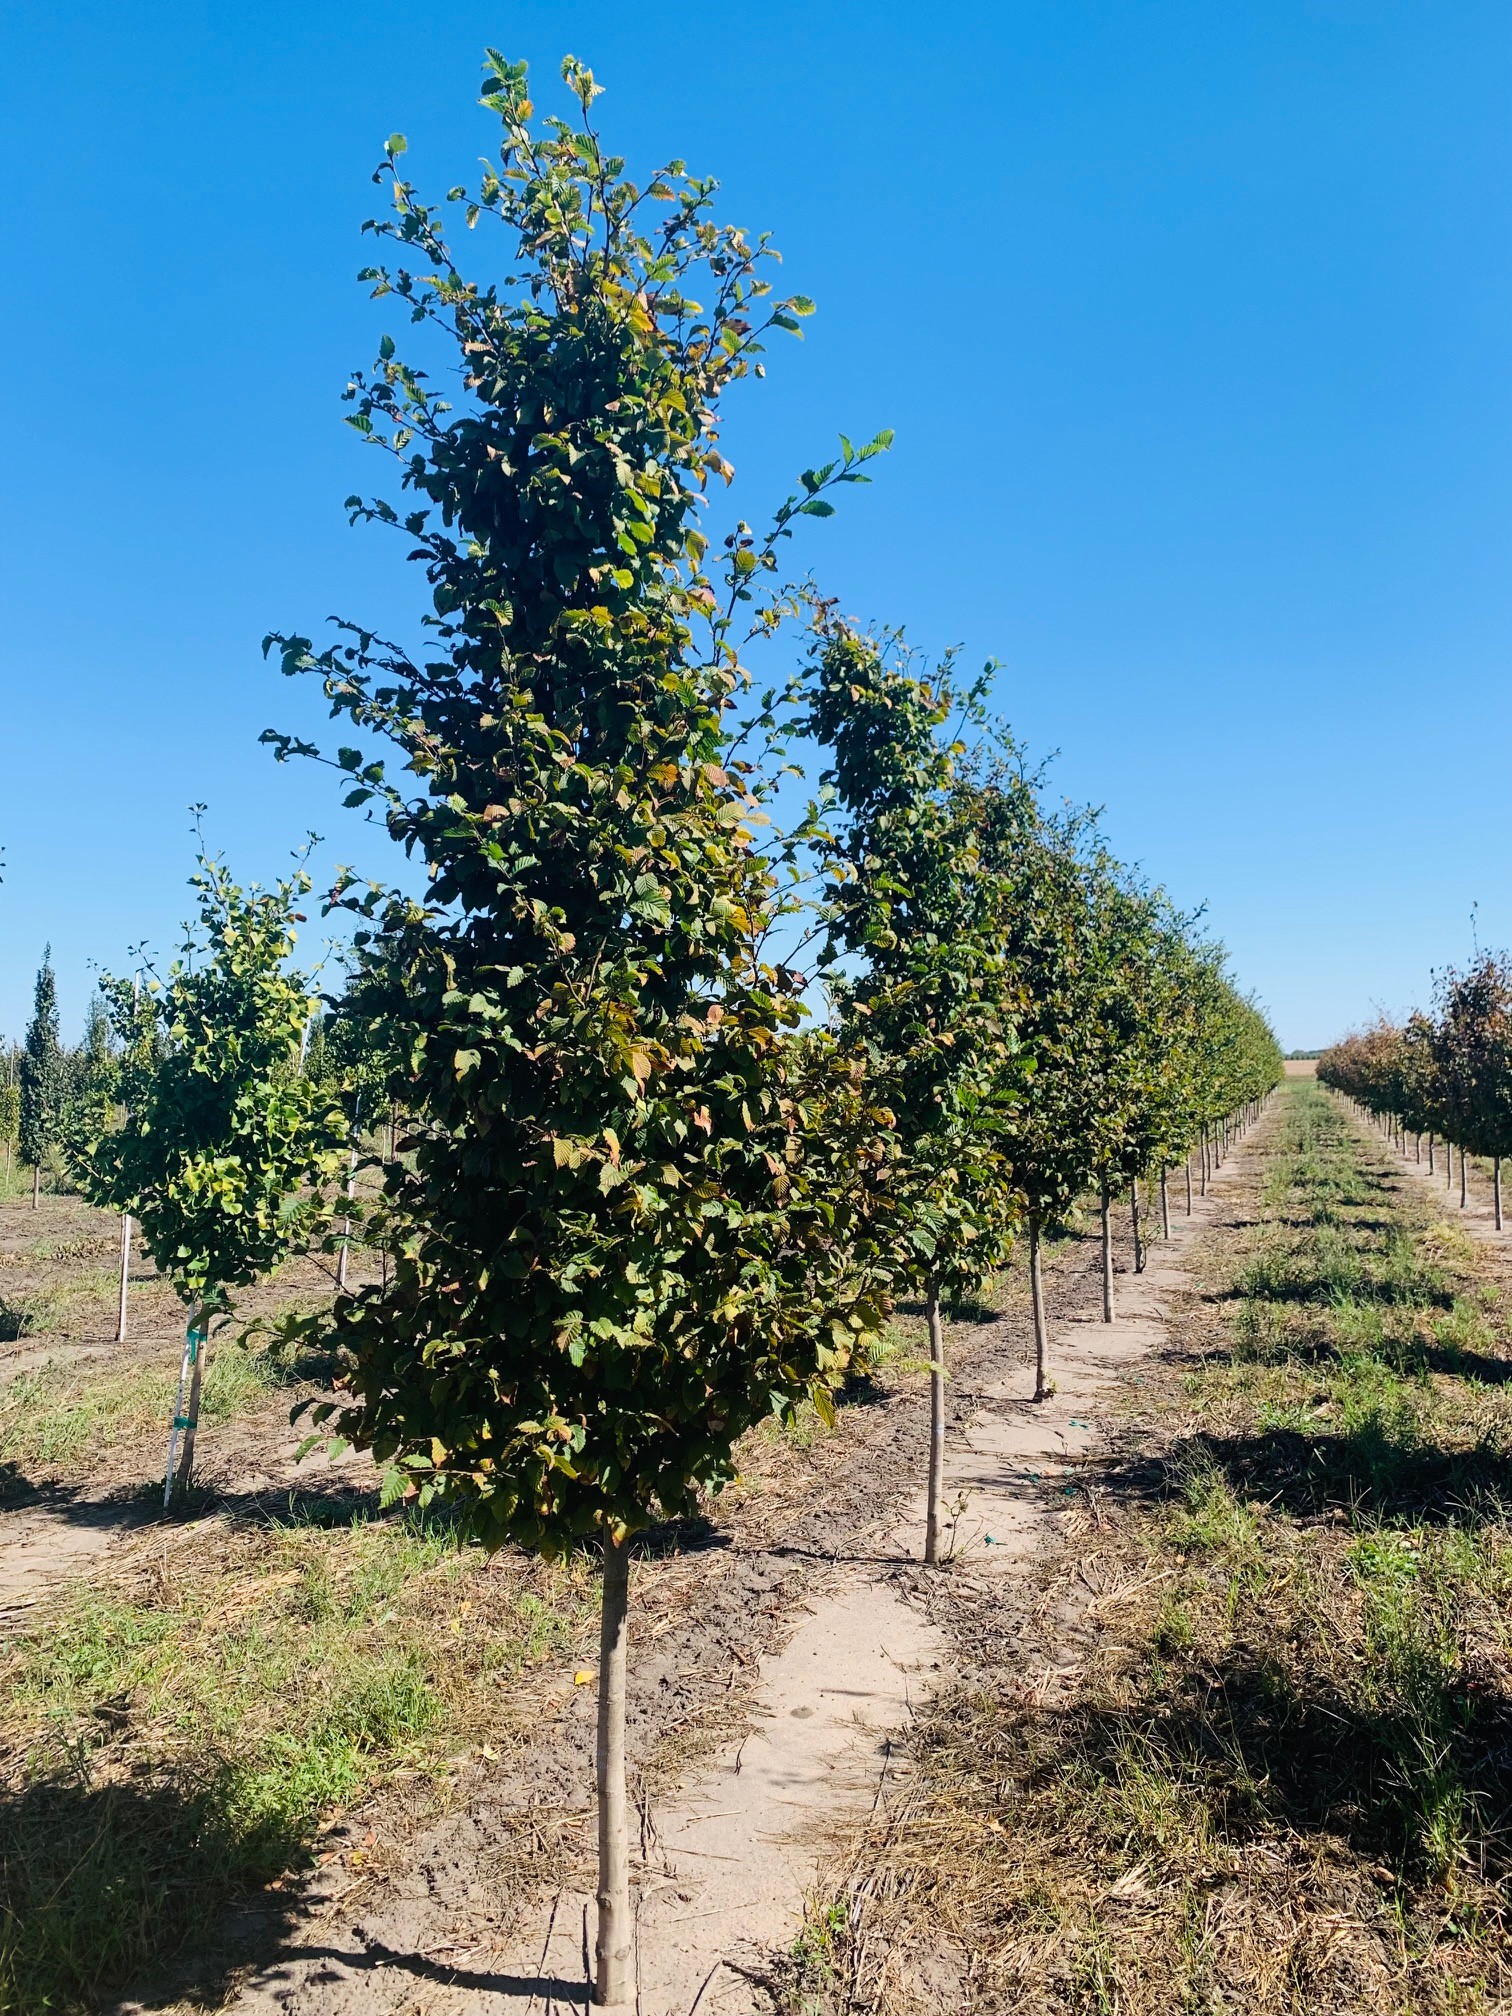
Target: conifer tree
<point>44,1078</point>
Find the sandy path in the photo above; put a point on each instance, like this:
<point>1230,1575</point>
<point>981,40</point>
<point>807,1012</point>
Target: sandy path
<point>729,1857</point>
<point>1479,1215</point>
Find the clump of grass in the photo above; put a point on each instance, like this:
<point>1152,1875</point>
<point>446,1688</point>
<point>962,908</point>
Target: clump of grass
<point>177,1738</point>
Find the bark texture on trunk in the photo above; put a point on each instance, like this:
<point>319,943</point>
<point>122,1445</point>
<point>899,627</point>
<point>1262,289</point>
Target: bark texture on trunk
<point>1037,1306</point>
<point>1107,1256</point>
<point>936,1428</point>
<point>1134,1221</point>
<point>612,1986</point>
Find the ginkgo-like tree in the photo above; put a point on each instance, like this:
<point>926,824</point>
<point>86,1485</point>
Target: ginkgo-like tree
<point>207,1132</point>
<point>628,1222</point>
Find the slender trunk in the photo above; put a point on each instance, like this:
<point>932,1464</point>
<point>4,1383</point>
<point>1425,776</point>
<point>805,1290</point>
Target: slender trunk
<point>1203,1161</point>
<point>613,1987</point>
<point>1418,1144</point>
<point>120,1335</point>
<point>1165,1203</point>
<point>1496,1188</point>
<point>36,1184</point>
<point>936,1429</point>
<point>1107,1255</point>
<point>1431,1170</point>
<point>351,1189</point>
<point>1189,1185</point>
<point>186,1410</point>
<point>1448,1165</point>
<point>1037,1305</point>
<point>1139,1257</point>
<point>346,1225</point>
<point>1464,1181</point>
<point>393,1121</point>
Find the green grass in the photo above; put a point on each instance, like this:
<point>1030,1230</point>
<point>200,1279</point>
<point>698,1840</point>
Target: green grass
<point>178,1739</point>
<point>1285,1781</point>
<point>58,1415</point>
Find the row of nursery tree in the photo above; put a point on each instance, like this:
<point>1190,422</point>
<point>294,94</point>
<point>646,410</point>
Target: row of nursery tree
<point>689,1099</point>
<point>1443,1076</point>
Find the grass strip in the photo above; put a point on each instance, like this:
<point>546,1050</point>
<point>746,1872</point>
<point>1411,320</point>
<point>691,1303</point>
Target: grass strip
<point>1283,1780</point>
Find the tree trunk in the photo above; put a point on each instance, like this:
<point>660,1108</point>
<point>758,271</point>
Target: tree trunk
<point>120,1335</point>
<point>1496,1187</point>
<point>1189,1185</point>
<point>1139,1257</point>
<point>346,1226</point>
<point>613,1987</point>
<point>1037,1305</point>
<point>1418,1145</point>
<point>1165,1204</point>
<point>1464,1180</point>
<point>36,1183</point>
<point>186,1413</point>
<point>1431,1170</point>
<point>1107,1255</point>
<point>1203,1161</point>
<point>936,1429</point>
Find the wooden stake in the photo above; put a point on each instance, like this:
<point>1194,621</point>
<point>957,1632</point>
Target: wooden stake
<point>120,1335</point>
<point>186,1414</point>
<point>1107,1255</point>
<point>936,1428</point>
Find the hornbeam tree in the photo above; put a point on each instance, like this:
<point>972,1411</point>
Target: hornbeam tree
<point>1044,1138</point>
<point>1123,1032</point>
<point>1472,1052</point>
<point>919,901</point>
<point>617,1238</point>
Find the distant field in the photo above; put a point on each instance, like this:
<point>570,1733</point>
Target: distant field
<point>1301,1067</point>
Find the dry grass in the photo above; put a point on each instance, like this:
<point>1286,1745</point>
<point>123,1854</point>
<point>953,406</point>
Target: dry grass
<point>185,1729</point>
<point>1282,1778</point>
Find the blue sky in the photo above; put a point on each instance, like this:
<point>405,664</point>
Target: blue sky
<point>1192,323</point>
